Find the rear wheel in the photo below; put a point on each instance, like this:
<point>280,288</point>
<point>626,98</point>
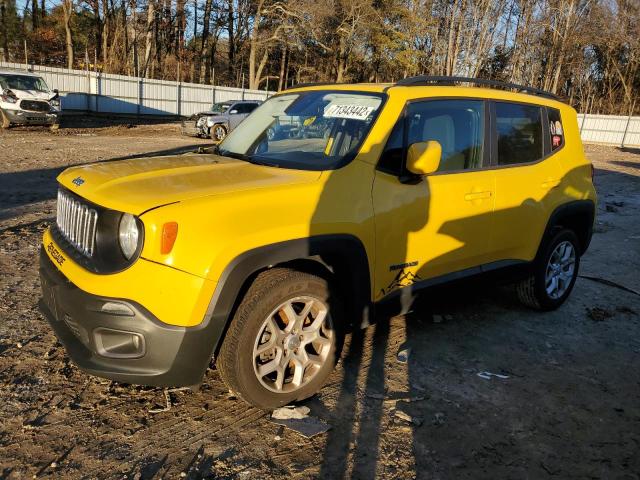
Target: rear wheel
<point>5,120</point>
<point>218,132</point>
<point>554,273</point>
<point>283,340</point>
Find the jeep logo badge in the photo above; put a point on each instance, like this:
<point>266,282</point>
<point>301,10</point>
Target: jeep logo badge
<point>78,181</point>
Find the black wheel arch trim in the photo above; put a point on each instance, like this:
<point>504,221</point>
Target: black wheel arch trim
<point>572,209</point>
<point>324,249</point>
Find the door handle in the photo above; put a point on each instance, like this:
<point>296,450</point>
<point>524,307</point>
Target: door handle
<point>550,183</point>
<point>469,197</point>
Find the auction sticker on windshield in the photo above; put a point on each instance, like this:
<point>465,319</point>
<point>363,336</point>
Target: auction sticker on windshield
<point>351,112</point>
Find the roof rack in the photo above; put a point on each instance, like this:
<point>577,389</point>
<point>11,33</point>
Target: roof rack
<point>446,80</point>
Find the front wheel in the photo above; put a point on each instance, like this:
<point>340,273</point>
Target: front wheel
<point>283,341</point>
<point>218,132</point>
<point>555,271</point>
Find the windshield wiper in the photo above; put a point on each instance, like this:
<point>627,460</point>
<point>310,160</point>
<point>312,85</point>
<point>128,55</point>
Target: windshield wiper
<point>245,157</point>
<point>227,153</point>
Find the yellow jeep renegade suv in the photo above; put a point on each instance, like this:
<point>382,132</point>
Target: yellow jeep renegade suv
<point>326,206</point>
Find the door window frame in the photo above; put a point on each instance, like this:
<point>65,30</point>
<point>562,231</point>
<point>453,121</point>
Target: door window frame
<point>487,149</point>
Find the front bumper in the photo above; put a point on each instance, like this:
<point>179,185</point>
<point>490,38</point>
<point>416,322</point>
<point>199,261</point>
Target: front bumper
<point>127,344</point>
<point>23,117</point>
<point>192,129</point>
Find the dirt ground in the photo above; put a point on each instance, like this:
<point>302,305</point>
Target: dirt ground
<point>567,404</point>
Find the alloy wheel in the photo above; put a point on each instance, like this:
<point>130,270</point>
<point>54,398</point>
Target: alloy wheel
<point>560,270</point>
<point>293,344</point>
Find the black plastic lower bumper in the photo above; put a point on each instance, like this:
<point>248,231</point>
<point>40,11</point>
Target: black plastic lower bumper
<point>119,339</point>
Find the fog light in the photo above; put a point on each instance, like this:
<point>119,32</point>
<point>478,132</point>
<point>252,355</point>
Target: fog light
<point>118,343</point>
<point>116,308</point>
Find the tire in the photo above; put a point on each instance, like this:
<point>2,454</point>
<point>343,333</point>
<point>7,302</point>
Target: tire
<point>218,132</point>
<point>250,345</point>
<point>5,120</point>
<point>559,258</point>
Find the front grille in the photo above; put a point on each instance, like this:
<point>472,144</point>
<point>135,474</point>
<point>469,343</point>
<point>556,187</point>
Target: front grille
<point>77,223</point>
<point>35,105</point>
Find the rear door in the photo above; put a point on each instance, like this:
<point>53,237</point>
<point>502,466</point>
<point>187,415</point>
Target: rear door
<point>527,176</point>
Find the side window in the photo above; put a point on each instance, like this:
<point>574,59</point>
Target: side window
<point>458,125</point>
<point>519,132</point>
<point>392,157</point>
<point>244,108</point>
<point>555,129</point>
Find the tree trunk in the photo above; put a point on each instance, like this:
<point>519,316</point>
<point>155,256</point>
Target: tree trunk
<point>149,37</point>
<point>283,61</point>
<point>34,15</point>
<point>254,77</point>
<point>5,31</point>
<point>67,8</point>
<point>231,39</point>
<point>205,38</point>
<point>106,14</point>
<point>134,16</point>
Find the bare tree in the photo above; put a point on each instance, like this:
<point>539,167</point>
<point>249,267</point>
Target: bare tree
<point>68,9</point>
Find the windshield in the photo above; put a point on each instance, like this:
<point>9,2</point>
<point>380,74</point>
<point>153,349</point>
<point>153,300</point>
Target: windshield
<point>313,130</point>
<point>23,82</point>
<point>220,107</point>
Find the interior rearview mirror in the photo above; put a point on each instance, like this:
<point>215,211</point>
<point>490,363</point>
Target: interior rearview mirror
<point>423,158</point>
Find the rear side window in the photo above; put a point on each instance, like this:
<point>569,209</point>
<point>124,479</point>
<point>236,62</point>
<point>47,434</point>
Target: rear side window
<point>519,132</point>
<point>555,129</point>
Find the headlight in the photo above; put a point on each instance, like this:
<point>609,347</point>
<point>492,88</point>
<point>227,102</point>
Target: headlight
<point>201,120</point>
<point>9,96</point>
<point>128,235</point>
<point>55,102</point>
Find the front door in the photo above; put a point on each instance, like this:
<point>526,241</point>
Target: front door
<point>439,224</point>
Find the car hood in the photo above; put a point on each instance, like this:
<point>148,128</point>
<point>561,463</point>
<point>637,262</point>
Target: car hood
<point>137,185</point>
<point>211,114</point>
<point>33,94</point>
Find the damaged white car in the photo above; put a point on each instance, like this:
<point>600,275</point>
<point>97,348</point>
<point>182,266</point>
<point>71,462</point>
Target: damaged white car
<point>25,99</point>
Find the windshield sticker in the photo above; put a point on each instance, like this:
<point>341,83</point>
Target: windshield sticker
<point>351,112</point>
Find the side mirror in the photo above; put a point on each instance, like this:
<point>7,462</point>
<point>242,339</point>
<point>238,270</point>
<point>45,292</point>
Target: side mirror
<point>55,90</point>
<point>233,112</point>
<point>423,158</point>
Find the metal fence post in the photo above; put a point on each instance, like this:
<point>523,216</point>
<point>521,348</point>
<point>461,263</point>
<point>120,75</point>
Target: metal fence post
<point>178,98</point>
<point>87,95</point>
<point>139,99</point>
<point>626,129</point>
<point>98,91</point>
<point>213,95</point>
<point>584,117</point>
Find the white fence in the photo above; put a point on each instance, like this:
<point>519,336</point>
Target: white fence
<point>623,131</point>
<point>107,93</point>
